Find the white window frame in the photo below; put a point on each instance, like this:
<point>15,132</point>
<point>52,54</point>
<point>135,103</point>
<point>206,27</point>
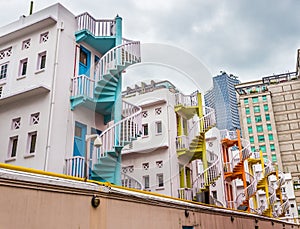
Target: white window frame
<point>16,123</point>
<point>146,179</point>
<point>10,148</point>
<point>158,177</point>
<point>3,78</point>
<point>42,36</point>
<point>35,118</point>
<point>157,127</point>
<point>143,132</point>
<point>39,62</point>
<point>26,44</point>
<point>21,67</point>
<point>29,142</point>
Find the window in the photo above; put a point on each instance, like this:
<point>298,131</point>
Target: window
<point>35,118</point>
<point>250,130</point>
<point>259,129</point>
<point>267,117</point>
<point>263,148</point>
<point>41,61</point>
<point>265,157</point>
<point>3,71</point>
<point>23,67</point>
<point>158,111</point>
<point>272,147</point>
<point>145,166</point>
<point>258,118</point>
<point>13,144</point>
<point>266,108</point>
<point>83,57</point>
<point>261,138</point>
<point>246,101</point>
<point>159,164</point>
<point>1,92</point>
<point>31,142</point>
<point>274,158</point>
<point>264,98</point>
<point>255,100</point>
<point>248,120</point>
<point>271,138</point>
<point>5,53</point>
<point>269,127</point>
<point>256,109</point>
<point>160,180</point>
<point>247,109</point>
<point>145,114</point>
<point>158,127</point>
<point>251,138</point>
<point>44,37</point>
<point>145,129</point>
<point>16,123</point>
<point>253,149</point>
<point>26,44</point>
<point>146,182</point>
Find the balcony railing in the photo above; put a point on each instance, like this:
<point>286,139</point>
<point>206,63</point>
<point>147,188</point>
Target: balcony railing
<point>185,193</point>
<point>97,27</point>
<point>75,166</point>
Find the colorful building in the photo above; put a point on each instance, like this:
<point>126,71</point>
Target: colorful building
<point>60,88</point>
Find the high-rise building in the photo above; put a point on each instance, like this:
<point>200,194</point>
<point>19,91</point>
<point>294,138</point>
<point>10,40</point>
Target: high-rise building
<point>222,98</point>
<point>270,112</point>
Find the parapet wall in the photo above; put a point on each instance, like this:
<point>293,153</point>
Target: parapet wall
<point>37,201</point>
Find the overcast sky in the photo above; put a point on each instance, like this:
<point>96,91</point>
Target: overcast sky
<point>249,39</point>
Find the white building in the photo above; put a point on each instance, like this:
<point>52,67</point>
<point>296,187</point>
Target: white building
<point>60,78</point>
<point>164,159</point>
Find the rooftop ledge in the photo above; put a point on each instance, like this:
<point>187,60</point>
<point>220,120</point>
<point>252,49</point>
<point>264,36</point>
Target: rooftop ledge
<point>24,26</point>
<point>33,91</point>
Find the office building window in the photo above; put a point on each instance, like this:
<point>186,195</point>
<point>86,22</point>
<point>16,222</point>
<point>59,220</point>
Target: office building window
<point>250,130</point>
<point>253,149</point>
<point>160,180</point>
<point>272,147</point>
<point>251,138</point>
<point>264,98</point>
<point>41,61</point>
<point>261,138</point>
<point>248,120</point>
<point>265,157</point>
<point>13,144</point>
<point>267,117</point>
<point>256,109</point>
<point>274,158</point>
<point>246,101</point>
<point>259,129</point>
<point>271,138</point>
<point>23,67</point>
<point>3,71</point>
<point>269,127</point>
<point>263,148</point>
<point>247,109</point>
<point>158,126</point>
<point>266,107</point>
<point>258,118</point>
<point>255,100</point>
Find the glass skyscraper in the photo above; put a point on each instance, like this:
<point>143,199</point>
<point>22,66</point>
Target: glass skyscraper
<point>222,97</point>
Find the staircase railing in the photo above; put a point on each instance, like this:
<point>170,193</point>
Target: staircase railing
<point>186,100</point>
<point>249,191</point>
<point>216,201</point>
<point>209,175</point>
<point>97,27</point>
<point>130,182</point>
<point>125,130</point>
<point>201,125</point>
<point>272,197</point>
<point>83,85</point>
<point>281,180</point>
<point>119,55</point>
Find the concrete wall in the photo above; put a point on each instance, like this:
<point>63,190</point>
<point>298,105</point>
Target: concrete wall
<point>42,202</point>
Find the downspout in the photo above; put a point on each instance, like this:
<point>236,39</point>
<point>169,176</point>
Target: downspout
<point>169,143</point>
<point>54,76</point>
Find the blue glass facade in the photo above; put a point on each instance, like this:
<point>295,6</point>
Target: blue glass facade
<point>222,97</point>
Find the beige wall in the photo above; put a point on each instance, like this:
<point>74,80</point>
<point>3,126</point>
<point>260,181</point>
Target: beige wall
<point>25,204</point>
